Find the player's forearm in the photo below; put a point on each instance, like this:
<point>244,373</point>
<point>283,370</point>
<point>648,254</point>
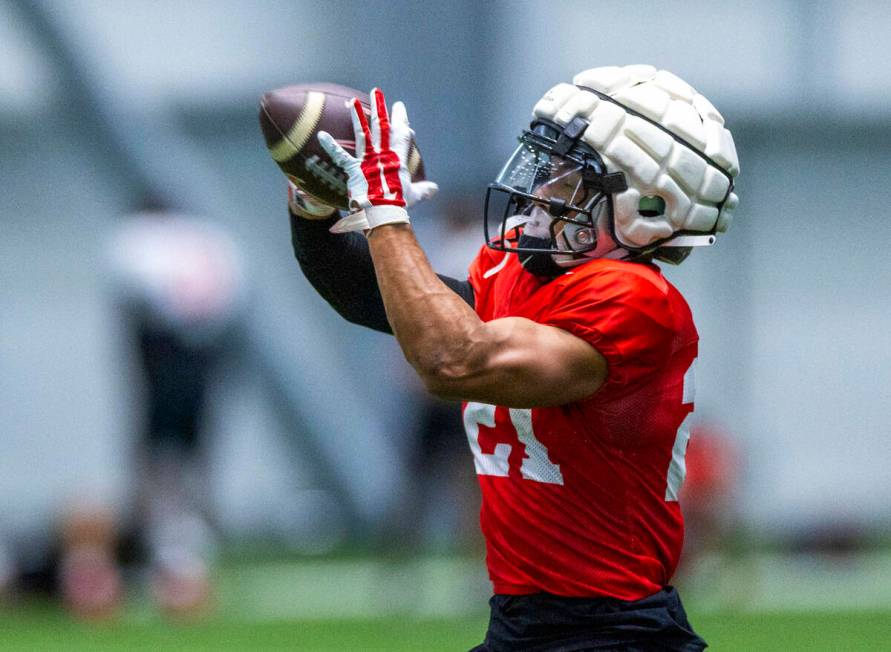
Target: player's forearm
<point>339,267</point>
<point>440,334</point>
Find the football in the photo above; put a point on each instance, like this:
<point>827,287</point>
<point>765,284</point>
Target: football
<point>290,118</point>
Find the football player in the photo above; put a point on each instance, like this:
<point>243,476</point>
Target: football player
<point>573,355</point>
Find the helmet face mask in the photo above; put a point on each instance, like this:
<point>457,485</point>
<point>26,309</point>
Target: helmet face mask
<point>546,204</point>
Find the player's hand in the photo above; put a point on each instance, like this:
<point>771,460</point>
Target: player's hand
<point>302,205</point>
<point>379,182</point>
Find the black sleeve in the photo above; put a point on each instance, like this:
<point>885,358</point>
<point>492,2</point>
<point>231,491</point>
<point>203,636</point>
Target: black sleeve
<point>339,267</point>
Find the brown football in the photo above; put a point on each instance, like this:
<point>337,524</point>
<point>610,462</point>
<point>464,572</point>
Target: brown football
<point>290,118</point>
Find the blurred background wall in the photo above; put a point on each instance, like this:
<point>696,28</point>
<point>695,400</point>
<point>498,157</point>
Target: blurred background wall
<point>792,304</point>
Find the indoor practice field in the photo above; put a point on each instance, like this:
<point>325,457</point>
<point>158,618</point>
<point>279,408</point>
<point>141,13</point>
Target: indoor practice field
<point>607,319</point>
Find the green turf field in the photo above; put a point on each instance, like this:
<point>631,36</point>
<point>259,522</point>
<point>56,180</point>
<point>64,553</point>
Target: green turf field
<point>47,630</point>
<point>432,604</point>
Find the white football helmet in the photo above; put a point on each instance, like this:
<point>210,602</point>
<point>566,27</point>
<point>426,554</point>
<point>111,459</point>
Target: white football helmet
<point>625,162</point>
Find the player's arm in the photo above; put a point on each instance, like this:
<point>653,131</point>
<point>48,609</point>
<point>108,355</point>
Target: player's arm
<point>339,266</point>
<point>512,361</point>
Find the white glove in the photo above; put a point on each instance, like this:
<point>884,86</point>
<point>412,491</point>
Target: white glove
<point>379,182</point>
<point>305,206</point>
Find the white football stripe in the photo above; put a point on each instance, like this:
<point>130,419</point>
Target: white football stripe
<point>414,159</point>
<point>306,124</point>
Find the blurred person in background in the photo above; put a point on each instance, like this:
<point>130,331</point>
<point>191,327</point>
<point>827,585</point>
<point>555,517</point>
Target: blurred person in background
<point>75,559</point>
<point>709,500</point>
<point>178,286</point>
<point>710,489</point>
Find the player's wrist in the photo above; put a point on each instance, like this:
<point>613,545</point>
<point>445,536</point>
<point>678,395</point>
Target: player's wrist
<point>382,214</point>
<point>371,217</point>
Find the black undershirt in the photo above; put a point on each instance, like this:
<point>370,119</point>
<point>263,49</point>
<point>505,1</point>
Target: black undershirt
<point>339,267</point>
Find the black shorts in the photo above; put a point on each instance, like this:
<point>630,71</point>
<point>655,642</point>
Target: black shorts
<point>542,622</point>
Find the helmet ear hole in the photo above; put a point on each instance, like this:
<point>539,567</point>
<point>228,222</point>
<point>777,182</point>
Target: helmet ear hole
<point>651,206</point>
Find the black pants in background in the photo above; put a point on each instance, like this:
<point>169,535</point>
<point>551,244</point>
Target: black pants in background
<point>176,383</point>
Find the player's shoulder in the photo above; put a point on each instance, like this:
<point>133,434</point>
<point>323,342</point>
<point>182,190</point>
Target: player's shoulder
<point>617,277</point>
<point>605,286</point>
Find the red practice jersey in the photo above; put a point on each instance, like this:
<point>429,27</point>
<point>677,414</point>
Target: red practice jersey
<point>581,499</point>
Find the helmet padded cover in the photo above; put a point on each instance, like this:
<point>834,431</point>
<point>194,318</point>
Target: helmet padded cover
<point>654,163</point>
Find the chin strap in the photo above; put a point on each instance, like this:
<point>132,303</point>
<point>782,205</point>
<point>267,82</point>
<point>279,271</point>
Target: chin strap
<point>540,264</point>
